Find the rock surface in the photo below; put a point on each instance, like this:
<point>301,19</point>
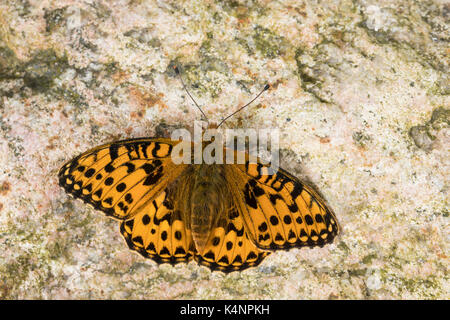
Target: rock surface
<point>360,93</point>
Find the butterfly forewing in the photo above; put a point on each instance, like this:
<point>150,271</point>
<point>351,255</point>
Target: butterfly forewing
<point>280,211</point>
<point>121,177</point>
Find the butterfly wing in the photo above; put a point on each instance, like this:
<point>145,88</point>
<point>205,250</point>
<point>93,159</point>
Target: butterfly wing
<point>229,247</point>
<point>160,231</point>
<point>121,178</point>
<point>279,211</point>
<point>132,181</point>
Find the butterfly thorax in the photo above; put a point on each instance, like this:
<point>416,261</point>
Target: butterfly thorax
<point>208,201</point>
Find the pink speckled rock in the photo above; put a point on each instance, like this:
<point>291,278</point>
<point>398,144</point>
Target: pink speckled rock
<point>360,92</point>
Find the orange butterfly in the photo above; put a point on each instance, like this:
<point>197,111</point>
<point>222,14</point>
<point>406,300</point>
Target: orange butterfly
<point>225,216</point>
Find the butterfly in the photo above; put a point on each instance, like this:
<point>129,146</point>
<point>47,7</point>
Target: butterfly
<point>227,217</point>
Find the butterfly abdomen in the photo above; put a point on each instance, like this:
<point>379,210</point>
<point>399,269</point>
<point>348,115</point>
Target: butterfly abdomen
<point>207,200</point>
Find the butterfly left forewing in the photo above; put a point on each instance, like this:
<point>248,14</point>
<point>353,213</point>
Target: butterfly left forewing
<point>121,177</point>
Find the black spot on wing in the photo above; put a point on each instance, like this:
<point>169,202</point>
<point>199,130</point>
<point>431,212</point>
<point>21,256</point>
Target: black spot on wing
<point>109,168</point>
<point>121,187</point>
<point>237,259</point>
<point>303,233</point>
<point>130,224</point>
<point>274,220</point>
<point>164,251</point>
<point>113,151</point>
<point>224,259</point>
<point>168,204</point>
<point>132,147</point>
<point>130,167</point>
<point>297,190</point>
<point>138,240</point>
<point>251,256</point>
<point>89,173</point>
<point>291,235</point>
<point>153,177</point>
<point>180,250</point>
<point>144,146</point>
<point>156,147</point>
<point>279,182</point>
<point>274,197</point>
<point>210,255</point>
<point>287,219</point>
<point>279,237</point>
<point>167,217</point>
<point>151,247</point>
<point>146,219</point>
<point>262,227</point>
<point>257,191</point>
<point>309,220</point>
<point>249,197</point>
<point>293,207</point>
<point>319,218</point>
<point>233,214</point>
<point>148,168</point>
<point>129,198</point>
<point>263,237</point>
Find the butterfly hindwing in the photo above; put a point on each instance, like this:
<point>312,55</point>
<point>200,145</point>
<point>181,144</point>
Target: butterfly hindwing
<point>280,211</point>
<point>159,231</point>
<point>162,231</point>
<point>229,247</point>
<point>119,178</point>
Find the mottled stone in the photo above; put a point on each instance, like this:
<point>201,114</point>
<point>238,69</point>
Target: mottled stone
<point>360,93</point>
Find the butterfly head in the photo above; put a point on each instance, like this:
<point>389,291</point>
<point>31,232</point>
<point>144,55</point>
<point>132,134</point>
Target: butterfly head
<point>212,125</point>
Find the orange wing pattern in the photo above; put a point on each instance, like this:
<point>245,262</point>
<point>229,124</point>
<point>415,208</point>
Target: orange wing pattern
<point>279,211</point>
<point>121,177</point>
<point>159,232</point>
<point>229,247</point>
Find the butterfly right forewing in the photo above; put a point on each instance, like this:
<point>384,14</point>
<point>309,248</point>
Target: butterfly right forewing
<point>280,211</point>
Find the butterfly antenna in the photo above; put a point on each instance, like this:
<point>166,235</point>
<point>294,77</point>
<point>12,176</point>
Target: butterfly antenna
<point>177,71</point>
<point>266,87</point>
